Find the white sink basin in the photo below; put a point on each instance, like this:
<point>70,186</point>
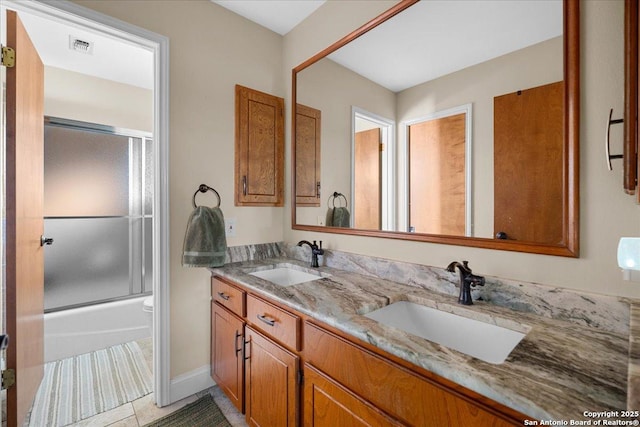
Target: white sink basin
<point>481,340</point>
<point>285,276</point>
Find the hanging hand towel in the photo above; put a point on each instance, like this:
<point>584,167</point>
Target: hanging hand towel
<point>341,217</point>
<point>205,242</point>
<point>328,221</point>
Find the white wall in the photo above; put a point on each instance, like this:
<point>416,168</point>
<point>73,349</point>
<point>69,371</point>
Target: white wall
<point>211,50</point>
<point>606,212</point>
<point>91,99</point>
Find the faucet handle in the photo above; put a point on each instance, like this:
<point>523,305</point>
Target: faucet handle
<point>466,265</point>
<point>320,244</point>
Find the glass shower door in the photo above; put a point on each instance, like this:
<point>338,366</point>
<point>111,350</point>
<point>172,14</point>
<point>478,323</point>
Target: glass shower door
<point>98,211</point>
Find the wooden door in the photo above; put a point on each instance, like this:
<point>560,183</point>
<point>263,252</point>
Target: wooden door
<point>271,383</point>
<point>259,148</point>
<point>328,404</point>
<point>437,193</point>
<point>25,225</point>
<point>528,161</point>
<point>367,180</point>
<point>308,128</point>
<point>227,363</point>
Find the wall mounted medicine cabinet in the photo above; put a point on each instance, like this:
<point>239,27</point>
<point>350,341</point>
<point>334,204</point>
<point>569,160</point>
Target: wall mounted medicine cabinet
<point>259,150</point>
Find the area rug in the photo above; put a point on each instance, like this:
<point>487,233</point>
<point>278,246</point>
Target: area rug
<point>85,385</point>
<point>202,413</point>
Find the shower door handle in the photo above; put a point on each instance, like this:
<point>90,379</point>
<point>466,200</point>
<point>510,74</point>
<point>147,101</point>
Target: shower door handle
<point>46,241</point>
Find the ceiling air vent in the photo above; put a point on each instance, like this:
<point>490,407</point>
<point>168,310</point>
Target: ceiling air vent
<point>79,45</point>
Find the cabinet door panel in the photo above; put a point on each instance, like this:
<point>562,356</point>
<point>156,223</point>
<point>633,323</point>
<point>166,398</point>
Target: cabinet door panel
<point>308,153</point>
<point>226,359</point>
<point>328,404</point>
<point>271,387</point>
<point>259,148</point>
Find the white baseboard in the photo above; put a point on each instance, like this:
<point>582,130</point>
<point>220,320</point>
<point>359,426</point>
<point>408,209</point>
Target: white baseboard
<point>190,383</point>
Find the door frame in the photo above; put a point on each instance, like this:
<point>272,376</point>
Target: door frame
<point>468,183</point>
<point>387,162</point>
<point>79,16</point>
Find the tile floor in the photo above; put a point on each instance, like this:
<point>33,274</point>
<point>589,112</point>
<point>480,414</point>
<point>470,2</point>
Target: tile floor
<point>143,411</point>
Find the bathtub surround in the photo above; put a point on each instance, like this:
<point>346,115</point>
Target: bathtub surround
<point>85,329</point>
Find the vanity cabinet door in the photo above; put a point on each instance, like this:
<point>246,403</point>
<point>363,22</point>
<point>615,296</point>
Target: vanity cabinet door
<point>271,382</point>
<point>227,364</point>
<point>259,148</point>
<point>328,404</point>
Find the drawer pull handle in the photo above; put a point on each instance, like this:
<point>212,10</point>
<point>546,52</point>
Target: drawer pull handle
<point>223,296</point>
<point>235,344</point>
<point>265,319</point>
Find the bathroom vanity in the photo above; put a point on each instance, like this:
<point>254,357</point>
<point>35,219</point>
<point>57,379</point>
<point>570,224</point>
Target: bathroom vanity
<point>305,353</point>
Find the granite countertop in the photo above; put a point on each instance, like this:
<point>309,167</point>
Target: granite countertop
<point>557,372</point>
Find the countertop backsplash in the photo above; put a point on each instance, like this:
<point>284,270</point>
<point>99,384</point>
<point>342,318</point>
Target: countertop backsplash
<point>600,311</point>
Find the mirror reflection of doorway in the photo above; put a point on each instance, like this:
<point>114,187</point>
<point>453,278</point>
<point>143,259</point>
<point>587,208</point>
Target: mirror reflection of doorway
<point>373,171</point>
<point>438,148</point>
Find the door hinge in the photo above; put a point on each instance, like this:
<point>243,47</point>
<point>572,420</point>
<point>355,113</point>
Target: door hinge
<point>8,378</point>
<point>382,146</point>
<point>8,57</point>
<point>300,377</point>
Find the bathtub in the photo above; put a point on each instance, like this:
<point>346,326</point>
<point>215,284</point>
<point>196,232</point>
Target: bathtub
<point>85,329</point>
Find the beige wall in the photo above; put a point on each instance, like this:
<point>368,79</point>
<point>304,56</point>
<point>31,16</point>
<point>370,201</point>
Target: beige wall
<point>211,50</point>
<point>333,89</point>
<point>606,212</point>
<point>91,99</point>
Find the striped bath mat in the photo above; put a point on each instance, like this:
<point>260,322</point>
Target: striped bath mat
<point>81,386</point>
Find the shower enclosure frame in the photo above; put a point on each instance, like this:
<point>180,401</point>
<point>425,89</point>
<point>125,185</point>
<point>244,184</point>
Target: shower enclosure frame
<point>138,205</point>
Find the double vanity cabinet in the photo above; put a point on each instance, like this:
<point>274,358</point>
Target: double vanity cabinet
<point>285,368</point>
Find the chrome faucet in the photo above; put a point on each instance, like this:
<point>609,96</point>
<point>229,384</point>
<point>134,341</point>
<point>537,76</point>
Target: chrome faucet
<point>315,251</point>
<point>467,279</point>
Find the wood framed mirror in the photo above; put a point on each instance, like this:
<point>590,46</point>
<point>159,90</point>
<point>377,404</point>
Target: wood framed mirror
<point>496,112</point>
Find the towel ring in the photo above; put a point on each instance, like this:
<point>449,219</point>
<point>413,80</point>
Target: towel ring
<point>203,189</point>
<point>332,199</point>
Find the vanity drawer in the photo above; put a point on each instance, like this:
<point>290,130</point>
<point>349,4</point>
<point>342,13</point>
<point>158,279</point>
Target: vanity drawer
<point>279,324</point>
<point>228,296</point>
